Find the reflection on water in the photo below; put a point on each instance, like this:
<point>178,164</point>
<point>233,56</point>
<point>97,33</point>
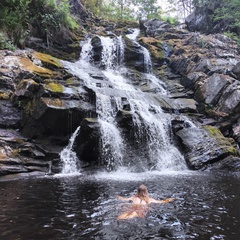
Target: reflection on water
<point>85,207</point>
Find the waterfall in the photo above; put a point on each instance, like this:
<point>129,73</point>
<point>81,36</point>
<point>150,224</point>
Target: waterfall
<point>147,58</point>
<point>111,140</point>
<point>151,126</point>
<point>69,158</point>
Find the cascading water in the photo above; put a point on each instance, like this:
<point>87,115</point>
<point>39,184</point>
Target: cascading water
<point>150,124</point>
<point>69,158</point>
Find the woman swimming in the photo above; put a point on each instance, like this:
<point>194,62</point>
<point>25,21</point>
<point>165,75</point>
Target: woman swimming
<point>140,203</point>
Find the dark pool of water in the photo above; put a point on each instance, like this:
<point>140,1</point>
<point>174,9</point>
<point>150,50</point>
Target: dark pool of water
<point>85,207</point>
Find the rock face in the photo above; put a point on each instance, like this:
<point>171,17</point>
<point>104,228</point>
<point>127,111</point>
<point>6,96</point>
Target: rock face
<point>205,68</point>
<point>201,20</point>
<point>42,103</point>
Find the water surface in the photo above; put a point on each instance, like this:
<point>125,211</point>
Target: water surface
<point>85,207</point>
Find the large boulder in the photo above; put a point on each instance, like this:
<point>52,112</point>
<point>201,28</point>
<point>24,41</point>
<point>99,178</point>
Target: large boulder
<point>204,146</point>
<point>200,20</point>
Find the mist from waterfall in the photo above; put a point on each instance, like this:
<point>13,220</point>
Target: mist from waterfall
<point>151,125</point>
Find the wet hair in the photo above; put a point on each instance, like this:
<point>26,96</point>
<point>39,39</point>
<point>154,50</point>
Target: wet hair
<point>142,193</point>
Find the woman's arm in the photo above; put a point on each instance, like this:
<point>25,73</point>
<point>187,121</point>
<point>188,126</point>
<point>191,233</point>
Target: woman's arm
<point>124,199</point>
<point>151,200</point>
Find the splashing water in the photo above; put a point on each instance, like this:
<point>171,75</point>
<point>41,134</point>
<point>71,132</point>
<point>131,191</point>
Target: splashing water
<point>147,58</point>
<point>68,157</point>
<point>151,126</point>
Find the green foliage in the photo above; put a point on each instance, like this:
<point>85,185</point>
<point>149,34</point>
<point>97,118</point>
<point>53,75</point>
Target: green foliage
<point>147,9</point>
<point>17,17</point>
<point>124,9</point>
<point>233,36</point>
<point>5,43</point>
<point>94,6</point>
<point>14,19</point>
<point>228,10</point>
<point>171,20</point>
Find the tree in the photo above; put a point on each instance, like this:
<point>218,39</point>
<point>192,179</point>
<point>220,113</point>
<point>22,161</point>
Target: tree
<point>94,6</point>
<point>14,19</point>
<point>147,9</point>
<point>229,11</point>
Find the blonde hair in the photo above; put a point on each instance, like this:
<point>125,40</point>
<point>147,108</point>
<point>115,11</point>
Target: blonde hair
<point>142,193</point>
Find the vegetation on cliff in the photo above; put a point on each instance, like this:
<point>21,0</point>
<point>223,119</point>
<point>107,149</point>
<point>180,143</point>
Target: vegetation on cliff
<point>20,18</point>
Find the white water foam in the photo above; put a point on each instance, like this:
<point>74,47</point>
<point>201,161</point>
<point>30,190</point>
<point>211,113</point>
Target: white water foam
<point>148,118</point>
<point>69,158</point>
<point>123,174</point>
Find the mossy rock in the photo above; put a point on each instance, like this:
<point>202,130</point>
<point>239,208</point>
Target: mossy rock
<point>154,46</point>
<point>156,52</point>
<point>224,143</point>
<point>54,87</point>
<point>48,60</point>
<point>213,131</point>
<point>150,41</point>
<point>27,65</point>
<point>52,102</point>
<point>72,81</point>
<point>5,95</point>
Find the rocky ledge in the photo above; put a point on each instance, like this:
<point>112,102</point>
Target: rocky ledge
<point>41,103</point>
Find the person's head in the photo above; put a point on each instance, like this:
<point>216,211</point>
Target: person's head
<point>142,193</point>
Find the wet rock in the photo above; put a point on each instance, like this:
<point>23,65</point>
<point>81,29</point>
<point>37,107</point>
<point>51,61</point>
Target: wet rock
<point>124,119</point>
<point>134,56</point>
<point>11,169</point>
<point>203,146</point>
<point>229,163</point>
<point>186,105</point>
<point>88,141</point>
<point>212,88</point>
<point>10,115</point>
<point>199,72</point>
<point>236,70</point>
<point>97,50</point>
<point>27,88</point>
<point>17,155</point>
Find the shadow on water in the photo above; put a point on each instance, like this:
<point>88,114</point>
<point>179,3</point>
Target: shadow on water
<point>85,207</point>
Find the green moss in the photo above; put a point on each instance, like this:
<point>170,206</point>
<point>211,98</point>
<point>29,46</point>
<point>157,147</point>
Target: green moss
<point>54,87</point>
<point>232,150</point>
<point>156,52</point>
<point>213,131</point>
<point>154,45</point>
<point>28,65</point>
<point>225,143</point>
<point>150,41</point>
<point>48,59</point>
<point>72,82</point>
